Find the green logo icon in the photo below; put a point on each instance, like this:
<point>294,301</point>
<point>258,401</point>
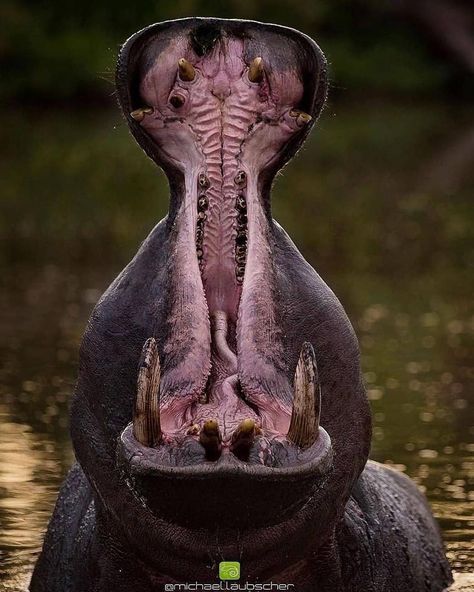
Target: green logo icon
<point>229,570</point>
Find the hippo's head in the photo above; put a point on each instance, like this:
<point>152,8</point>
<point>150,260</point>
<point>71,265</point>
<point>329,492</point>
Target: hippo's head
<point>240,428</point>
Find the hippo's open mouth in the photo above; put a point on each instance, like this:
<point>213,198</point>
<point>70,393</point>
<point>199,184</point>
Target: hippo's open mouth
<point>221,109</point>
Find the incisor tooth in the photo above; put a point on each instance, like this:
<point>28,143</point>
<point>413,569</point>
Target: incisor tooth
<point>146,418</point>
<point>304,424</point>
<point>210,439</point>
<point>243,438</point>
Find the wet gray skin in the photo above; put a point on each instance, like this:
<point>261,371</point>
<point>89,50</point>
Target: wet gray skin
<point>219,412</point>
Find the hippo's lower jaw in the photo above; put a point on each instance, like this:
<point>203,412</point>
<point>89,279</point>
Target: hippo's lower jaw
<point>224,486</point>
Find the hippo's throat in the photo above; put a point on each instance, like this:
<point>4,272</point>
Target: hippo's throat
<point>224,397</point>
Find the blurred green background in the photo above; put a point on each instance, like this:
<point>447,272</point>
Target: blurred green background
<point>379,201</point>
<point>66,50</point>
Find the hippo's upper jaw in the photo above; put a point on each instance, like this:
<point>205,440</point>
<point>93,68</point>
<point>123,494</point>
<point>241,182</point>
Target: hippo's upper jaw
<point>220,105</point>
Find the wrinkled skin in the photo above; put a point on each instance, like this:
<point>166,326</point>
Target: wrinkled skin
<point>229,324</point>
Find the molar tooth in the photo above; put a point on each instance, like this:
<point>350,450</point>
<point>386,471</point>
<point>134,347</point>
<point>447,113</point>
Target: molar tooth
<point>186,70</point>
<point>304,424</point>
<point>203,181</point>
<point>302,118</point>
<point>202,202</point>
<point>240,178</point>
<point>241,203</point>
<point>146,418</point>
<point>241,238</point>
<point>210,439</point>
<point>139,114</point>
<point>256,70</point>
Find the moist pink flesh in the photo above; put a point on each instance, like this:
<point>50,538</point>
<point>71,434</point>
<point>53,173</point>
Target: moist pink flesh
<point>223,314</point>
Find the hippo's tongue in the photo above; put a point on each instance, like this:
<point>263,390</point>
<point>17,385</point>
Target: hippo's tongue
<point>222,118</point>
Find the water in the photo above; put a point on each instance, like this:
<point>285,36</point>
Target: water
<point>379,202</point>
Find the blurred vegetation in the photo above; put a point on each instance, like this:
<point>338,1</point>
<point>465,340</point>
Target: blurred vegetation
<point>62,50</point>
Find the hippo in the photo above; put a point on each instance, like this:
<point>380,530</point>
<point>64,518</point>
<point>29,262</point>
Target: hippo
<point>220,421</point>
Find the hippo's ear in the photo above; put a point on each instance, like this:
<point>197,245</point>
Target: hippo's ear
<point>287,54</point>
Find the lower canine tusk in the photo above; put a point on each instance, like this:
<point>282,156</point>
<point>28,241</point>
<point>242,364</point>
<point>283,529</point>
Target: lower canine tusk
<point>304,424</point>
<point>146,418</point>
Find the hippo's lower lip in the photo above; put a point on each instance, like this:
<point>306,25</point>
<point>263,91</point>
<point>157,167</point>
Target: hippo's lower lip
<point>143,460</point>
<point>269,495</point>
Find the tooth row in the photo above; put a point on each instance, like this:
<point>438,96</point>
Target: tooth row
<point>301,117</point>
<point>242,230</point>
<point>202,205</point>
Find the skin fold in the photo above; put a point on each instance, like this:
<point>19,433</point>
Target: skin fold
<point>220,413</point>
